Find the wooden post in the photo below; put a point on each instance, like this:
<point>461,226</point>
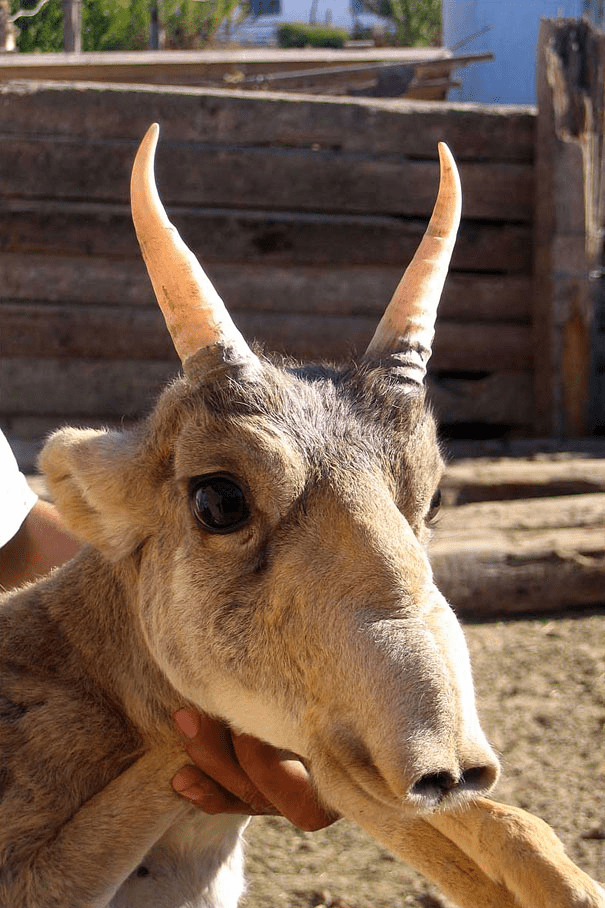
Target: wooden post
<point>72,27</point>
<point>569,159</point>
<point>157,35</point>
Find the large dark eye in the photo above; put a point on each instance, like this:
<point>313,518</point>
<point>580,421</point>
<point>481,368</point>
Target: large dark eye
<point>434,506</point>
<point>219,504</point>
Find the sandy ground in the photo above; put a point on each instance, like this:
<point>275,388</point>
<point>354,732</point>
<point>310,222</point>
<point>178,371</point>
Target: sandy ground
<point>541,694</point>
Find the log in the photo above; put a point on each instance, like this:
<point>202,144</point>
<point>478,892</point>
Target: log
<point>97,332</point>
<point>56,227</point>
<point>497,560</point>
<point>501,399</point>
<point>508,478</point>
<point>376,126</point>
<point>82,389</point>
<point>281,178</point>
<point>316,290</point>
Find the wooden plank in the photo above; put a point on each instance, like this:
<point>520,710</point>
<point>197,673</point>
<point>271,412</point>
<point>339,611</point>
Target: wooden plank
<point>288,238</point>
<point>505,479</point>
<point>496,559</point>
<point>376,126</point>
<point>500,399</point>
<point>84,389</point>
<point>278,178</point>
<point>79,280</point>
<point>95,332</point>
<point>571,60</point>
<point>302,289</point>
<point>469,521</point>
<point>192,66</point>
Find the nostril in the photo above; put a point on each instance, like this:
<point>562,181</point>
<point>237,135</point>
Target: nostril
<point>478,778</point>
<point>435,783</point>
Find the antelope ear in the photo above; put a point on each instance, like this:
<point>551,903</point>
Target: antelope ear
<point>97,489</point>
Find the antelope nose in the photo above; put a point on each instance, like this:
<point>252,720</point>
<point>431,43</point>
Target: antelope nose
<point>433,787</point>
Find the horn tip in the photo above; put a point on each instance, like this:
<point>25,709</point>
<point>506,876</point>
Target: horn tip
<point>446,158</point>
<point>150,139</point>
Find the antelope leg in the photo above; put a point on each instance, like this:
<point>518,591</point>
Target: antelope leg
<point>437,858</point>
<point>520,852</point>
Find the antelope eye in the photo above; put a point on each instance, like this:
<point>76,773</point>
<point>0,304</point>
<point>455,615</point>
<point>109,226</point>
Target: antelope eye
<point>218,504</point>
<point>434,506</point>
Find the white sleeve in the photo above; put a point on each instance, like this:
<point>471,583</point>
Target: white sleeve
<point>16,497</point>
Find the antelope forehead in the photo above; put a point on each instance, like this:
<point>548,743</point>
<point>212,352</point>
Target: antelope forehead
<point>291,426</point>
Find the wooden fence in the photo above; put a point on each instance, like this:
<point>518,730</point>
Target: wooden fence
<point>569,310</point>
<point>304,212</point>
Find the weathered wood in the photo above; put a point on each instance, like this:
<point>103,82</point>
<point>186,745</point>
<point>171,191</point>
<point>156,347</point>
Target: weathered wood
<point>83,389</point>
<point>237,235</point>
<point>507,478</point>
<point>375,126</point>
<point>510,558</point>
<point>304,212</point>
<point>516,518</point>
<point>95,332</point>
<point>182,67</point>
<point>321,71</point>
<point>502,399</point>
<point>344,291</point>
<point>279,178</point>
<point>569,164</point>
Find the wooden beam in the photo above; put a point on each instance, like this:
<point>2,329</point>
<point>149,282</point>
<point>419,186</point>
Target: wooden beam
<point>96,332</point>
<point>304,289</point>
<point>279,178</point>
<point>501,559</point>
<point>66,228</point>
<point>95,389</point>
<point>223,117</point>
<point>571,67</point>
<point>506,479</point>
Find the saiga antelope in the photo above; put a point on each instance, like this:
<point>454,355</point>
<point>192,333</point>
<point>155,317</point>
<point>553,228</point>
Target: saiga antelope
<point>256,550</point>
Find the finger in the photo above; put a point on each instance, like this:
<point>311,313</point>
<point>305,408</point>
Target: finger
<point>284,781</point>
<point>210,748</point>
<point>202,791</point>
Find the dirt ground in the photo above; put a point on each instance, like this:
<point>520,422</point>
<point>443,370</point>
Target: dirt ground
<point>541,694</point>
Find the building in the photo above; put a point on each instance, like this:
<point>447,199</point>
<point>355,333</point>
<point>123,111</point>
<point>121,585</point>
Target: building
<point>262,27</point>
<point>509,30</point>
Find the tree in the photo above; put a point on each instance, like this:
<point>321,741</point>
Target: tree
<point>124,24</point>
<point>42,32</point>
<point>417,22</point>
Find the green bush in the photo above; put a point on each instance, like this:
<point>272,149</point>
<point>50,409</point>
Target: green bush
<point>296,34</point>
<point>124,24</point>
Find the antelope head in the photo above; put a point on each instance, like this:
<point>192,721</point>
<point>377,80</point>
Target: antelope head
<point>276,518</point>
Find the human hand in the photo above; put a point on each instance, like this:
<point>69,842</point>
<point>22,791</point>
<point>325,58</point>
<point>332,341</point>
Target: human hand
<point>240,774</point>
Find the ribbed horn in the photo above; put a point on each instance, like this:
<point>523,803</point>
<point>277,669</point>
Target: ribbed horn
<point>408,324</point>
<point>194,312</point>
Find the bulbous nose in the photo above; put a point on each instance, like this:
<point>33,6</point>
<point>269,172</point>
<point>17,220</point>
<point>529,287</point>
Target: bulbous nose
<point>434,787</point>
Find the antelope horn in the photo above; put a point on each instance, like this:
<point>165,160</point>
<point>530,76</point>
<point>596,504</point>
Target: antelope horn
<point>195,315</point>
<point>408,324</point>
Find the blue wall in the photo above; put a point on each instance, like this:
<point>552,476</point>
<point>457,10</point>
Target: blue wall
<point>512,37</point>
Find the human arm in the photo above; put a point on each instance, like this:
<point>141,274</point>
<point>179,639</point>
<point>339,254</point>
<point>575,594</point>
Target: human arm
<point>32,537</point>
<point>40,544</point>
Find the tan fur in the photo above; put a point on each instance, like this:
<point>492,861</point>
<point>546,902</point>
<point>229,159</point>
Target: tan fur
<point>315,625</point>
